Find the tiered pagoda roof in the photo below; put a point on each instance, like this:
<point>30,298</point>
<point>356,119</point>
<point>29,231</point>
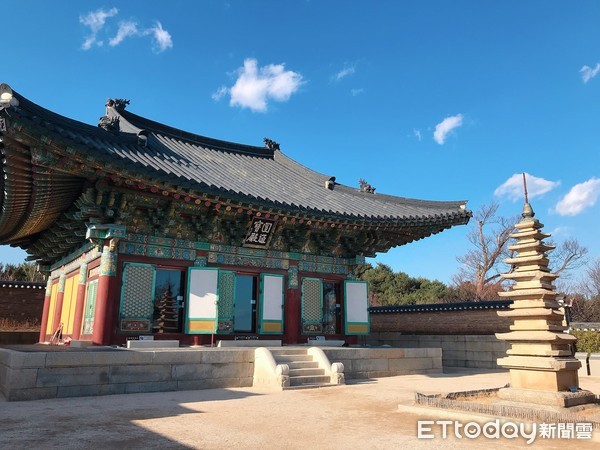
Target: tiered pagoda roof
<point>52,164</point>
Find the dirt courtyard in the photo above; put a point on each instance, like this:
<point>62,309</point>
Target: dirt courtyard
<point>361,415</point>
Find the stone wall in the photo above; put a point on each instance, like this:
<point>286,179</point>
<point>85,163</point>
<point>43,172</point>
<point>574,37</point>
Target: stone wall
<point>52,374</point>
<point>21,301</point>
<point>360,363</point>
<point>32,375</point>
<point>477,351</point>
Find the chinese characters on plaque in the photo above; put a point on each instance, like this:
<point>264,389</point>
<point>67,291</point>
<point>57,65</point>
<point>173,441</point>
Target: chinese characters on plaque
<point>260,232</point>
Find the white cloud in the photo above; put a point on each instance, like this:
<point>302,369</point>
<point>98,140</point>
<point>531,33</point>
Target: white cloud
<point>126,29</point>
<point>513,187</point>
<point>95,20</point>
<point>446,126</point>
<point>561,231</point>
<point>162,38</point>
<point>587,73</point>
<point>417,134</point>
<point>220,93</point>
<point>255,86</point>
<point>355,92</point>
<point>580,197</point>
<point>346,71</point>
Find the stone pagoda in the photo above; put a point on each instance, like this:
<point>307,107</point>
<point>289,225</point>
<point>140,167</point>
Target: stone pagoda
<point>542,367</point>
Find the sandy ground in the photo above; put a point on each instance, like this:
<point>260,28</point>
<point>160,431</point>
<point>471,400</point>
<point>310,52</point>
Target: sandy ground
<point>361,415</point>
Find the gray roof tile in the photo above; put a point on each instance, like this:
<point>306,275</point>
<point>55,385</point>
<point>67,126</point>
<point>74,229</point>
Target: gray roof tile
<point>241,172</point>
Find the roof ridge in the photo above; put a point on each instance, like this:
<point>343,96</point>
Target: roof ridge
<point>144,123</point>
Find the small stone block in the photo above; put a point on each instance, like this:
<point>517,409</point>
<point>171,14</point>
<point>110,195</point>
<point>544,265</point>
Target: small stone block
<point>80,344</point>
<point>153,344</point>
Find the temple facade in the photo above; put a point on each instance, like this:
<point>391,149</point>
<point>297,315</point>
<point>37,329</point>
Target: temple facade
<point>145,229</point>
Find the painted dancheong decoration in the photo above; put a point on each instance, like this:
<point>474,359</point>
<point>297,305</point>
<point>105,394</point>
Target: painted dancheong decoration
<point>186,237</point>
<point>542,367</point>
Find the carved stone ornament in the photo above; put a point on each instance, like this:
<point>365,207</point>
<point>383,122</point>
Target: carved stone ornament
<point>118,103</point>
<point>271,145</point>
<point>110,124</point>
<point>366,187</point>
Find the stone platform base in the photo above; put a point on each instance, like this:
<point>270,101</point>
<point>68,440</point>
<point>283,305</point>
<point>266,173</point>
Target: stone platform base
<point>149,344</point>
<point>50,371</point>
<point>254,343</point>
<point>325,343</point>
<point>560,399</point>
<point>483,404</point>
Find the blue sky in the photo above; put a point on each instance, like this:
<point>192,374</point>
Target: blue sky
<point>431,99</point>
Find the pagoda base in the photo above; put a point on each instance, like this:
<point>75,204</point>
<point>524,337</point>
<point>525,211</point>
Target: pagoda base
<point>551,381</point>
<point>561,399</point>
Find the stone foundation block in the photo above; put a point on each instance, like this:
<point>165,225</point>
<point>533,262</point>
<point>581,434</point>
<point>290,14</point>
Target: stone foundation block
<point>97,358</point>
<point>415,352</point>
<point>370,365</point>
<point>72,376</point>
<point>401,365</point>
<point>158,386</point>
<point>24,360</point>
<point>135,374</point>
<point>181,357</point>
<point>151,343</point>
<point>22,378</point>
<point>228,356</point>
<point>18,395</point>
<point>91,390</point>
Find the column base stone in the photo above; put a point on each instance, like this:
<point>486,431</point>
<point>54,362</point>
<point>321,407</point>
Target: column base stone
<point>563,399</point>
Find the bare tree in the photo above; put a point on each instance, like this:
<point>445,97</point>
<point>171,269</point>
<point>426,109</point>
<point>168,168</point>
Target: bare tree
<point>567,256</point>
<point>590,285</point>
<point>490,235</point>
<point>483,265</point>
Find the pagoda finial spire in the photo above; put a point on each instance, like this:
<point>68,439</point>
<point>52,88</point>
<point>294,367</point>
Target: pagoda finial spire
<point>527,209</point>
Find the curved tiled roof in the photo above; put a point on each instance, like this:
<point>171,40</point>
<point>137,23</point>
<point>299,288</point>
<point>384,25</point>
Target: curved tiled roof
<point>162,154</point>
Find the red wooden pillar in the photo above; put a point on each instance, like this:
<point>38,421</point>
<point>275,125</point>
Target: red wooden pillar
<point>80,301</point>
<point>105,294</point>
<point>291,310</point>
<point>59,301</point>
<point>46,310</point>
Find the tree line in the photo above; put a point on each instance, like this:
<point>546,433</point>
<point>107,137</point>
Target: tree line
<point>21,272</point>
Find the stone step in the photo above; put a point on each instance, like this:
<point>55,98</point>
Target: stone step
<point>309,379</point>
<point>305,372</point>
<point>292,358</point>
<point>309,386</point>
<point>302,364</point>
<point>287,351</point>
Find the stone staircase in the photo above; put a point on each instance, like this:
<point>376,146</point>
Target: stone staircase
<point>304,370</point>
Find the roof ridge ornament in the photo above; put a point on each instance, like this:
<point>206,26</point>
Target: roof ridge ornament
<point>366,187</point>
<point>118,103</point>
<point>330,183</point>
<point>7,98</point>
<point>110,124</point>
<point>271,145</point>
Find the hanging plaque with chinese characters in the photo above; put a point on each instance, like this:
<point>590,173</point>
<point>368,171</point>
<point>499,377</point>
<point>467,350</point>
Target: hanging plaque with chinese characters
<point>260,233</point>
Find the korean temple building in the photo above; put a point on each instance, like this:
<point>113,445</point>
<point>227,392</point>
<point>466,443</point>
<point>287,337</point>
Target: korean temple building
<point>145,229</point>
